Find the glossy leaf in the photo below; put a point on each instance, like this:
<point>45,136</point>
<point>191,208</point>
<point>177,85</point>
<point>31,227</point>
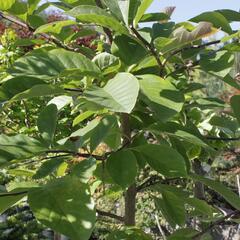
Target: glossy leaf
<point>93,14</point>
<point>119,95</point>
<point>161,96</point>
<point>122,167</point>
<point>54,63</point>
<point>163,159</point>
<point>64,205</point>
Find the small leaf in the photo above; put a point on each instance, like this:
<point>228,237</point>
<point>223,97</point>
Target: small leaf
<point>122,167</point>
<point>145,4</point>
<point>119,95</point>
<point>163,159</point>
<point>47,122</point>
<point>64,205</point>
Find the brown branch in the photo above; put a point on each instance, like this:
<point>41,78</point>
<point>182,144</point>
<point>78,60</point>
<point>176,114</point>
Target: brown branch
<point>218,222</point>
<point>110,215</point>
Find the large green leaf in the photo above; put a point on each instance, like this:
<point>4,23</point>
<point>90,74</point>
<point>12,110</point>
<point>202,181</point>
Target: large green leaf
<point>53,63</point>
<point>230,15</point>
<point>6,4</point>
<point>47,122</point>
<point>129,234</point>
<point>54,27</point>
<point>130,53</point>
<point>65,205</point>
<point>122,167</point>
<point>39,91</point>
<point>235,104</point>
<point>161,96</point>
<point>93,14</point>
<point>145,4</point>
<point>216,18</point>
<point>119,95</point>
<point>163,159</point>
<point>16,85</point>
<point>227,194</point>
<point>18,147</point>
<point>218,64</point>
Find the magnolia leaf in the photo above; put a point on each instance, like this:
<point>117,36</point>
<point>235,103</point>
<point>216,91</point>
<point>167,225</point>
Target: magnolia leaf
<point>216,18</point>
<point>64,205</point>
<point>163,159</point>
<point>203,29</point>
<point>93,14</point>
<point>119,95</point>
<point>54,27</point>
<point>161,96</point>
<point>145,4</point>
<point>53,63</point>
<point>47,122</point>
<point>122,167</point>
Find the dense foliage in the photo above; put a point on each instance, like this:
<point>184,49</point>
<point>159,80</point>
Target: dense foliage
<point>105,127</point>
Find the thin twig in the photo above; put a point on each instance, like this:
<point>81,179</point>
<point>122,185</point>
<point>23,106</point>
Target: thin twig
<point>222,139</point>
<point>160,228</point>
<point>110,215</point>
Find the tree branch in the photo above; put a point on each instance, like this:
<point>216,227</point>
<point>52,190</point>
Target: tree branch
<point>222,139</point>
<point>110,215</point>
<point>148,46</point>
<point>218,222</point>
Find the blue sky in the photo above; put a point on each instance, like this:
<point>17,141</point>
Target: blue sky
<point>190,8</point>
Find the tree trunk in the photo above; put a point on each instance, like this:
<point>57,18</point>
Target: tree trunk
<point>130,194</point>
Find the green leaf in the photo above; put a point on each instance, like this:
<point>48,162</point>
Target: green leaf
<point>218,64</point>
<point>18,147</point>
<point>145,4</point>
<point>54,27</point>
<point>82,117</point>
<point>216,18</point>
<point>18,8</point>
<point>54,63</point>
<point>65,205</point>
<point>172,207</point>
<point>235,104</point>
<point>130,53</point>
<point>107,62</point>
<point>161,96</point>
<point>119,95</point>
<point>93,14</point>
<point>47,122</point>
<point>232,198</point>
<point>32,6</point>
<point>122,167</point>
<point>230,15</point>
<point>60,101</point>
<point>6,4</point>
<point>224,122</point>
<point>84,169</point>
<point>16,85</point>
<point>48,167</point>
<point>7,201</point>
<point>154,17</point>
<point>39,91</point>
<point>163,159</point>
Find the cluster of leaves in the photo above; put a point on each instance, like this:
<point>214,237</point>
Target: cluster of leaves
<point>133,108</point>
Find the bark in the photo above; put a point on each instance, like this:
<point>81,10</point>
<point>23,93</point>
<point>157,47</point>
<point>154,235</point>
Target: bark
<point>199,191</point>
